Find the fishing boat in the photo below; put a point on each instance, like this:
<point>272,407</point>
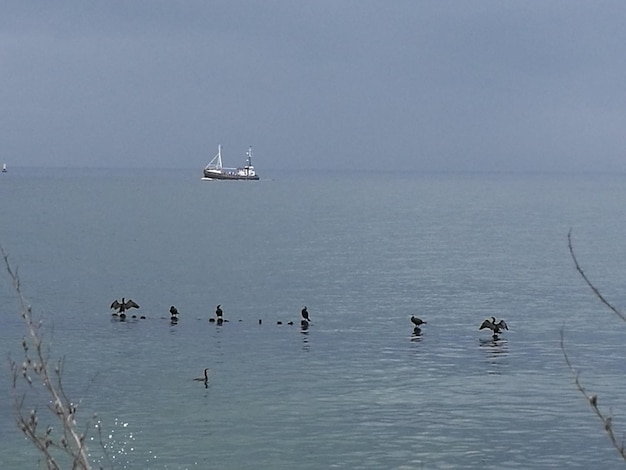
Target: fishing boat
<point>216,171</point>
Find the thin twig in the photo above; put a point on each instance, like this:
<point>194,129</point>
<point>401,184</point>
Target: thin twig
<point>584,276</point>
<point>607,420</point>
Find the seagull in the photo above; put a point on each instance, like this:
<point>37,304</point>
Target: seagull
<point>416,321</point>
<point>305,314</point>
<point>495,327</point>
<point>123,306</point>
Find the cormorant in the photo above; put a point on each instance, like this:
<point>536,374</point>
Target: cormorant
<point>416,321</point>
<point>123,305</point>
<point>305,314</point>
<point>204,379</point>
<point>494,326</point>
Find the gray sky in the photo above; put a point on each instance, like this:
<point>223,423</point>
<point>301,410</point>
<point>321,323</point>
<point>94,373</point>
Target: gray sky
<point>322,84</point>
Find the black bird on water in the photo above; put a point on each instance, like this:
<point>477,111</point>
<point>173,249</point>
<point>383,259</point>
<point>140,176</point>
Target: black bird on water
<point>174,315</point>
<point>417,322</point>
<point>218,314</point>
<point>494,326</point>
<point>305,314</point>
<point>204,379</point>
<point>122,306</point>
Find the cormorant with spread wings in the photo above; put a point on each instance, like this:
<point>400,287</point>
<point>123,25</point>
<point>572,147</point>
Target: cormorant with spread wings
<point>494,326</point>
<point>122,306</point>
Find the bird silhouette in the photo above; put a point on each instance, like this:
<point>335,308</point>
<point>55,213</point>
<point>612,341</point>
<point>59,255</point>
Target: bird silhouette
<point>218,311</point>
<point>305,314</point>
<point>206,376</point>
<point>124,305</point>
<point>494,326</point>
<point>204,379</point>
<point>173,311</point>
<point>416,321</point>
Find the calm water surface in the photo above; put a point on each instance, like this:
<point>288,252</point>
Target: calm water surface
<point>363,253</point>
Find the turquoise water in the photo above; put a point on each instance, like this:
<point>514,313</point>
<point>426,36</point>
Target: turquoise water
<point>363,252</point>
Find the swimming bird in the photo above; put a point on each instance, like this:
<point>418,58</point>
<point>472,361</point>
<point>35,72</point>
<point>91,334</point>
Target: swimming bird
<point>494,326</point>
<point>124,305</point>
<point>305,314</point>
<point>173,311</point>
<point>204,379</point>
<point>416,321</point>
<point>218,311</point>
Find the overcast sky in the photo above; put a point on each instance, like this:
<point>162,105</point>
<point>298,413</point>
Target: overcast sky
<point>321,84</point>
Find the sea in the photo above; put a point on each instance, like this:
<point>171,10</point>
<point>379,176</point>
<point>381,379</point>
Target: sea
<point>357,388</point>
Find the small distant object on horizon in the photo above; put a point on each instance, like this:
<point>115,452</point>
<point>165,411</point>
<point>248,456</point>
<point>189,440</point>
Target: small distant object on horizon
<point>216,171</point>
<point>4,168</point>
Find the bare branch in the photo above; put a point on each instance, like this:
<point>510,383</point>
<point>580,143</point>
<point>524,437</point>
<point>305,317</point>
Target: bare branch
<point>589,283</point>
<point>606,419</point>
<point>70,441</point>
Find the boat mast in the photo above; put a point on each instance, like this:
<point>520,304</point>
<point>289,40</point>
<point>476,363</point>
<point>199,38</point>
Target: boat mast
<point>217,160</point>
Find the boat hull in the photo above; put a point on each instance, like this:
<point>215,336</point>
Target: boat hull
<point>211,175</point>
